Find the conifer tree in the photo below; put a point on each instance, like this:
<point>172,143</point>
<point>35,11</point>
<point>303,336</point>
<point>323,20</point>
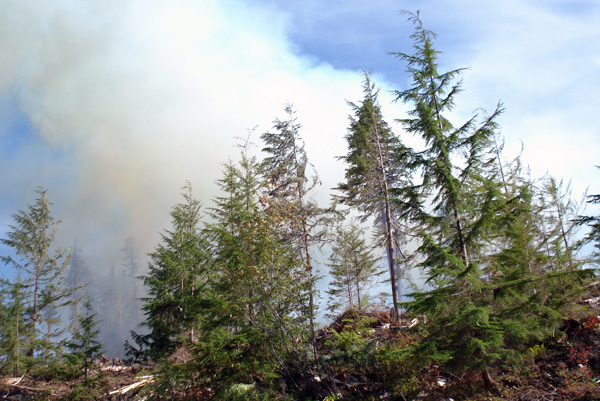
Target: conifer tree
<point>16,331</point>
<point>229,344</point>
<point>42,267</point>
<point>373,170</point>
<point>517,272</point>
<point>290,184</point>
<point>131,268</point>
<point>112,311</point>
<point>593,222</point>
<point>560,213</point>
<point>177,280</point>
<point>457,179</point>
<point>257,309</point>
<point>352,268</point>
<point>84,343</point>
<point>78,278</point>
<point>453,162</point>
<point>559,224</point>
<point>482,233</point>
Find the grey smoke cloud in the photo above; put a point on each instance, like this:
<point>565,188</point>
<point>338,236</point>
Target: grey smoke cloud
<point>114,104</point>
<point>129,99</point>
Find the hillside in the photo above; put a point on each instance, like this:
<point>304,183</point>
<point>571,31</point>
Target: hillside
<point>363,353</point>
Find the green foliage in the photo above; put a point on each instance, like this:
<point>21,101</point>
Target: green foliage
<point>84,344</point>
<point>398,371</point>
<point>453,227</point>
<point>177,379</point>
<point>177,281</point>
<point>289,184</point>
<point>61,367</point>
<point>248,392</point>
<point>352,268</point>
<point>482,241</point>
<point>259,303</point>
<point>373,170</point>
<point>536,350</point>
<point>89,389</point>
<point>15,329</point>
<point>351,345</point>
<point>40,287</point>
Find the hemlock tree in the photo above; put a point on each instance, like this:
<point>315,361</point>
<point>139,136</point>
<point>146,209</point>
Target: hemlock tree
<point>257,311</point>
<point>490,288</point>
<point>177,280</point>
<point>42,267</point>
<point>131,267</point>
<point>16,331</point>
<point>560,224</point>
<point>373,170</point>
<point>458,180</point>
<point>238,325</point>
<point>593,222</point>
<point>84,344</point>
<point>78,278</point>
<point>112,311</point>
<point>352,268</point>
<point>517,272</point>
<point>290,185</point>
<point>453,163</point>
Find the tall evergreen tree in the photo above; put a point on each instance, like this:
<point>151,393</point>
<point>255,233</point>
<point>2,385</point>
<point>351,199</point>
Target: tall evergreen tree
<point>78,277</point>
<point>453,162</point>
<point>593,222</point>
<point>373,170</point>
<point>257,310</point>
<point>560,213</point>
<point>42,267</point>
<point>458,180</point>
<point>490,293</point>
<point>112,311</point>
<point>352,268</point>
<point>16,331</point>
<point>177,280</point>
<point>131,269</point>
<point>290,184</point>
<point>559,225</point>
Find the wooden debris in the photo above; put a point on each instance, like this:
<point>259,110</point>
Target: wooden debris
<point>32,389</point>
<point>145,380</point>
<point>12,381</point>
<point>113,368</point>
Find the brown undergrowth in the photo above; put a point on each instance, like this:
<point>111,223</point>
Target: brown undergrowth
<point>365,358</point>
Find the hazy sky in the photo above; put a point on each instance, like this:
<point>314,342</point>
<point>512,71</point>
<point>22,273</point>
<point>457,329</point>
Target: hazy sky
<point>112,105</point>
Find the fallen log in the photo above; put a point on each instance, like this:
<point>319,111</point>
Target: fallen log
<point>114,368</point>
<point>10,381</point>
<point>32,389</point>
<point>133,386</point>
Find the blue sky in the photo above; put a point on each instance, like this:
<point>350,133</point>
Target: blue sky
<point>113,105</point>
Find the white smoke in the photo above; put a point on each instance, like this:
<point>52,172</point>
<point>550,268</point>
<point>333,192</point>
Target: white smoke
<point>129,99</point>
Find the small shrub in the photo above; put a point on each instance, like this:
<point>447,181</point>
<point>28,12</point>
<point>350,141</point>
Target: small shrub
<point>241,392</point>
<point>580,354</point>
<point>536,350</point>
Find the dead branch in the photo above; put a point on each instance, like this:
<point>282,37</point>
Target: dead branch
<point>33,389</point>
<point>145,380</point>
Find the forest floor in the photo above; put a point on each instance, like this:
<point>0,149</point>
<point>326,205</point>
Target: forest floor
<point>109,382</point>
<point>567,368</point>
